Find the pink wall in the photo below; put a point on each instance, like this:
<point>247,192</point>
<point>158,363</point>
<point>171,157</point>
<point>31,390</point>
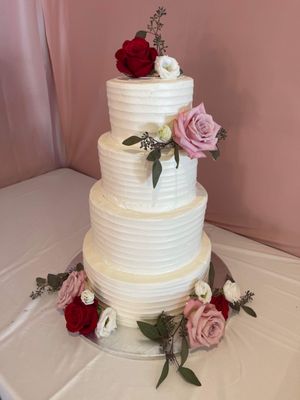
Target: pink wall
<point>245,60</point>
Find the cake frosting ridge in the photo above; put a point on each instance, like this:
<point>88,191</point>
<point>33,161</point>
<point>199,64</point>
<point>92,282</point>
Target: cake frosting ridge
<point>143,297</point>
<point>146,243</point>
<point>139,105</point>
<point>126,178</point>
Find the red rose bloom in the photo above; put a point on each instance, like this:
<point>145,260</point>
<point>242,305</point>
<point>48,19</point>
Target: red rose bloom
<point>136,58</point>
<point>80,317</point>
<point>221,304</point>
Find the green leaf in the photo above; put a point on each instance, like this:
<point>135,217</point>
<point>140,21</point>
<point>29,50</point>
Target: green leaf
<point>79,267</point>
<point>229,278</point>
<point>235,306</point>
<point>162,328</point>
<point>164,373</point>
<point>222,134</point>
<point>154,155</point>
<point>41,281</point>
<point>132,140</point>
<point>249,311</point>
<point>211,275</point>
<point>99,309</point>
<point>184,351</point>
<point>150,331</point>
<point>215,154</point>
<point>53,281</point>
<point>189,376</point>
<point>141,34</point>
<point>176,154</point>
<point>62,276</point>
<point>156,171</point>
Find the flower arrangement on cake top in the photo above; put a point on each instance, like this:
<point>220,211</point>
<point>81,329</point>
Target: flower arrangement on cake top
<point>193,131</point>
<point>137,59</point>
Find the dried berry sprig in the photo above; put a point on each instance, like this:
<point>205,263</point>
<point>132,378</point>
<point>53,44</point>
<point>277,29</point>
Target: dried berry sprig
<point>166,331</point>
<point>245,299</point>
<point>221,135</point>
<point>53,282</point>
<point>154,27</point>
<point>148,143</point>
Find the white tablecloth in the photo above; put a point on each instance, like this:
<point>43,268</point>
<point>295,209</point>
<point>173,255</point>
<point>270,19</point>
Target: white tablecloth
<point>43,222</point>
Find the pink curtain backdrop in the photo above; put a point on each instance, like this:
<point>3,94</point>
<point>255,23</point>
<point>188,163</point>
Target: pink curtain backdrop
<point>245,61</point>
<point>30,141</point>
<point>246,67</point>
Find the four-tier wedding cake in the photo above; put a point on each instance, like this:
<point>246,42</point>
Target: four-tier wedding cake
<point>146,247</point>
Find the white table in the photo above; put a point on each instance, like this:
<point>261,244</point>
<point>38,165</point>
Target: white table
<point>43,222</point>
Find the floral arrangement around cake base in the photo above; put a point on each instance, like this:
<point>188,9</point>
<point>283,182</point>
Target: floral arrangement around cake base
<point>201,324</point>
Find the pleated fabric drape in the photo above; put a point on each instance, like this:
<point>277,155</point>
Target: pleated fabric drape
<point>30,139</point>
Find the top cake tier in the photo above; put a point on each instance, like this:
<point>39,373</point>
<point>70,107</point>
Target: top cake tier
<point>145,104</point>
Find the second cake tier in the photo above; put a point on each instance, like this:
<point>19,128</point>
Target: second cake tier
<point>127,177</point>
<point>146,243</point>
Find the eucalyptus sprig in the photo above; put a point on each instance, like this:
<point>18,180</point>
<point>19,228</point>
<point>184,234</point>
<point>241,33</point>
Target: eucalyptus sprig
<point>154,28</point>
<point>53,282</point>
<point>148,143</point>
<point>166,331</point>
<point>221,135</point>
<point>241,304</point>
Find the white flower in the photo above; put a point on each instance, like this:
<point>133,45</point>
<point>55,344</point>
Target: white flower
<point>232,292</point>
<point>164,133</point>
<point>107,323</point>
<point>203,291</point>
<point>87,297</point>
<point>167,67</point>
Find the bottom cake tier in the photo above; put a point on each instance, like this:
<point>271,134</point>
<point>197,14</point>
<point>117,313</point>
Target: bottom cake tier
<point>143,297</point>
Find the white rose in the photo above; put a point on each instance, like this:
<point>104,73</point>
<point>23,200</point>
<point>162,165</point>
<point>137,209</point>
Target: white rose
<point>203,291</point>
<point>232,292</point>
<point>167,67</point>
<point>87,297</point>
<point>107,323</point>
<point>165,133</point>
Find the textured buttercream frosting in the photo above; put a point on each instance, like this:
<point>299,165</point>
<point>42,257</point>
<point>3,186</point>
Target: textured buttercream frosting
<point>127,179</point>
<point>146,243</point>
<point>143,297</point>
<point>144,105</point>
<point>146,247</point>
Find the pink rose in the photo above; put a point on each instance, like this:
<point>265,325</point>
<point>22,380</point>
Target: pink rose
<point>71,287</point>
<point>205,324</point>
<point>195,131</point>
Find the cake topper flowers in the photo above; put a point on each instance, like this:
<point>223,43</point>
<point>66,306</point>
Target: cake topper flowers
<point>137,59</point>
<point>194,132</point>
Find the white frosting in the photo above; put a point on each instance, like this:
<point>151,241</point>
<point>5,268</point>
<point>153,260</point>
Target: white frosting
<point>143,105</point>
<point>127,178</point>
<point>146,243</point>
<point>145,250</point>
<point>143,297</point>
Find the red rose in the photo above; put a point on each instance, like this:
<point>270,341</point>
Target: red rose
<point>80,317</point>
<point>136,58</point>
<point>221,304</point>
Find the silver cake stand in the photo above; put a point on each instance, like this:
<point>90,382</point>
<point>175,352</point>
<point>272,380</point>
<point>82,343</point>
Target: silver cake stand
<point>130,343</point>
